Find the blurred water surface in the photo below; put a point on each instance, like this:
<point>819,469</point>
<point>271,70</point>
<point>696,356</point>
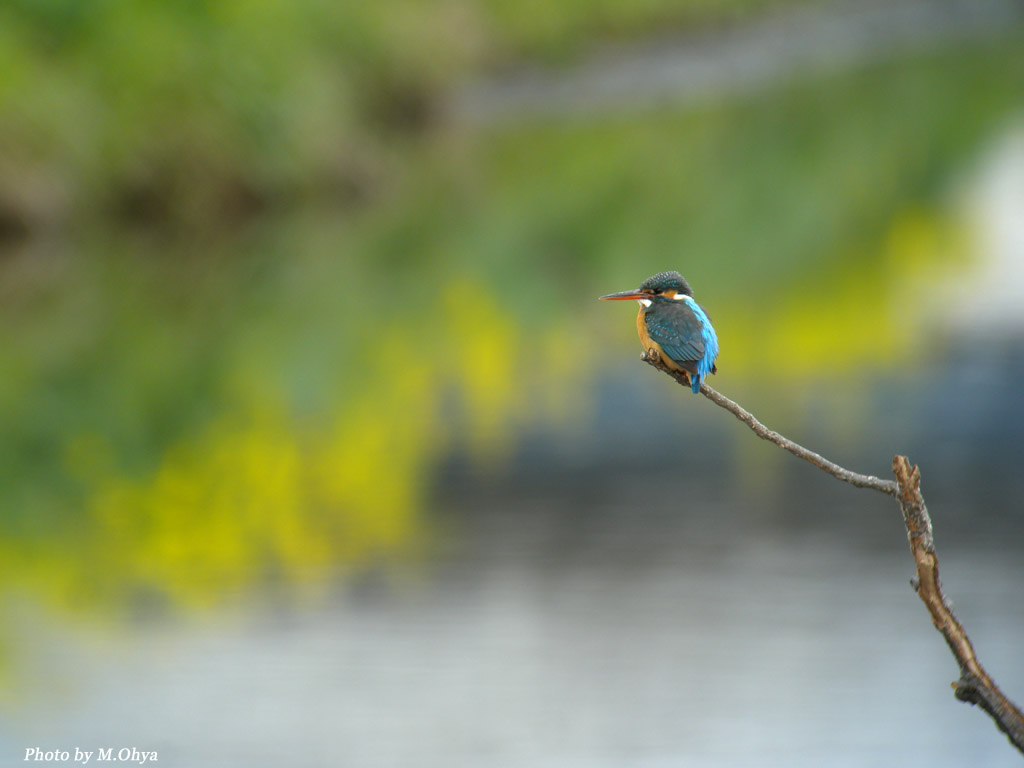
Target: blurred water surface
<point>674,645</point>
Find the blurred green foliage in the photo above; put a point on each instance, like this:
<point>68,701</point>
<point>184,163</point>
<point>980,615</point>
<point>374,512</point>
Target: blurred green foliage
<point>190,415</point>
<point>200,110</point>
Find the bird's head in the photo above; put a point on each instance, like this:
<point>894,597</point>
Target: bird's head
<point>664,285</point>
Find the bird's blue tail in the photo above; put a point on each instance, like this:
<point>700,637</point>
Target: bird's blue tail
<point>695,382</point>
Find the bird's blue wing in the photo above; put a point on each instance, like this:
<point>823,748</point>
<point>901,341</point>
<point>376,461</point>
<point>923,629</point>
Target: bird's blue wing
<point>677,330</point>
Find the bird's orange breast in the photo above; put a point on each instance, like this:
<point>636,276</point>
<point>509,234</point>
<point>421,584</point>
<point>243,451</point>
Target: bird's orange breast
<point>649,343</point>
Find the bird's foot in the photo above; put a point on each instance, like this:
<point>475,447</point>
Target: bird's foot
<point>651,356</point>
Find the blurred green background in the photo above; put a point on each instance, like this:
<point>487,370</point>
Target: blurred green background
<point>287,312</point>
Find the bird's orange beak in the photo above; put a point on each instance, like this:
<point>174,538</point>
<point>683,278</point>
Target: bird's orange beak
<point>636,293</point>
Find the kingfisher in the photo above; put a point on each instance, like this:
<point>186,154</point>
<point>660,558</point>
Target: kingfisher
<point>674,325</point>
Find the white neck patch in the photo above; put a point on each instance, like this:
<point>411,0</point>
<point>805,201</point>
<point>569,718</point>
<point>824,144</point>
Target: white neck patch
<point>644,302</point>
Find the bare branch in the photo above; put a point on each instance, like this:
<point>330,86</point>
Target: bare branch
<point>887,487</point>
<point>974,686</point>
